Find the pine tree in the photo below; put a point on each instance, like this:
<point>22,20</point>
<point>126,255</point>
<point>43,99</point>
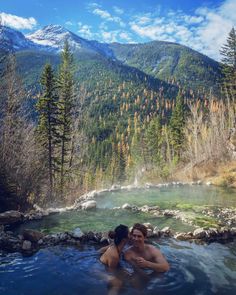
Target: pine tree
<point>65,105</point>
<point>177,123</point>
<point>153,138</point>
<point>47,124</point>
<point>228,52</point>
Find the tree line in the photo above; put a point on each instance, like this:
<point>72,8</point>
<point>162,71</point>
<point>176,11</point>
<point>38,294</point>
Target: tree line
<point>79,142</point>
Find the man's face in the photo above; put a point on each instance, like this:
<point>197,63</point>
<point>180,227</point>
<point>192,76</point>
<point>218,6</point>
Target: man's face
<point>137,238</point>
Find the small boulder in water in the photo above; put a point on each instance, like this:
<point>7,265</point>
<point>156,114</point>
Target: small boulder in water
<point>77,233</point>
<point>127,206</point>
<point>10,217</point>
<point>89,205</point>
<point>183,236</point>
<point>199,233</point>
<point>32,235</point>
<point>26,245</point>
<point>148,225</point>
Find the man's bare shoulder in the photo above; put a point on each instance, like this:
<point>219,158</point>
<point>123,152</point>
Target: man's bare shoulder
<point>152,249</point>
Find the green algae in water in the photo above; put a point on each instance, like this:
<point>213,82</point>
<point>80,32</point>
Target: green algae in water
<point>100,220</point>
<point>206,222</point>
<point>190,200</point>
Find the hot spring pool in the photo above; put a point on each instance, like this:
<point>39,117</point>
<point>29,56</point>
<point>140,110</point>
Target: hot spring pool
<point>195,269</point>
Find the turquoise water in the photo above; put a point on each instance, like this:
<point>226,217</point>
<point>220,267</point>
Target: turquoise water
<point>171,197</point>
<point>99,220</point>
<point>190,200</point>
<point>195,269</point>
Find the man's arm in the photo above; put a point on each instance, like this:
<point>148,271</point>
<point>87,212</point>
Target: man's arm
<point>158,263</point>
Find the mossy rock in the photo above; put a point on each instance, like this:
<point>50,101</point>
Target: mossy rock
<point>206,222</point>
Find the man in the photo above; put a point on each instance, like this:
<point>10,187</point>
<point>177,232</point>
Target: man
<point>142,255</point>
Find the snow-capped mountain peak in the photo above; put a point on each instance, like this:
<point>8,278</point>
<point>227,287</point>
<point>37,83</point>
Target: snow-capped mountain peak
<point>55,36</point>
<point>51,38</point>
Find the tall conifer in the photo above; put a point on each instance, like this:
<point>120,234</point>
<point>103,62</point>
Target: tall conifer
<point>46,130</point>
<point>65,106</point>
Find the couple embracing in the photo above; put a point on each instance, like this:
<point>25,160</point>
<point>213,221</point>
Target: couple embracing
<point>139,255</point>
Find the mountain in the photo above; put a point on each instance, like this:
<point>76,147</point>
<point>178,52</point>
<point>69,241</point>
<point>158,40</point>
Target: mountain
<point>54,36</point>
<point>12,40</point>
<point>158,59</point>
<point>166,60</point>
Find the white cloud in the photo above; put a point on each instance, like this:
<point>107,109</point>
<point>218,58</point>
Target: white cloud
<point>69,23</point>
<point>108,17</point>
<point>212,33</point>
<point>126,37</point>
<point>110,36</point>
<point>103,26</point>
<point>17,22</point>
<point>118,10</point>
<point>206,30</point>
<point>85,31</point>
<point>143,20</point>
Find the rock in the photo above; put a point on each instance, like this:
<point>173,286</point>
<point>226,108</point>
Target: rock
<point>212,232</point>
<point>2,228</point>
<point>115,187</point>
<point>26,246</point>
<point>40,242</point>
<point>152,209</point>
<point>166,232</point>
<point>148,225</point>
<point>89,205</point>
<point>10,217</point>
<point>150,233</point>
<point>77,233</point>
<point>169,213</point>
<point>166,229</point>
<point>183,236</point>
<point>105,240</point>
<point>32,235</point>
<point>208,183</point>
<point>156,231</point>
<point>91,195</point>
<point>199,233</point>
<point>126,206</point>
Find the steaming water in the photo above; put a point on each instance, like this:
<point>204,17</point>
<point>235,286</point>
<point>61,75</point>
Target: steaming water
<point>190,200</point>
<point>171,197</point>
<point>195,269</point>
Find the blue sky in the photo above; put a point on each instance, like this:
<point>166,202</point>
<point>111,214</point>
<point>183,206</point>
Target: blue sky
<point>201,25</point>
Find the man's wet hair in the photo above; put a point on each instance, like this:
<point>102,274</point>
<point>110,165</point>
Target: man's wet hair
<point>141,228</point>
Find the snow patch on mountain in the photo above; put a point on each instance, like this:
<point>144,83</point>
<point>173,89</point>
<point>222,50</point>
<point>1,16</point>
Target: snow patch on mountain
<point>11,39</point>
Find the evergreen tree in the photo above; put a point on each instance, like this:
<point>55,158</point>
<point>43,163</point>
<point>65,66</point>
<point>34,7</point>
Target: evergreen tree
<point>153,138</point>
<point>176,126</point>
<point>46,130</point>
<point>65,105</point>
<point>228,52</point>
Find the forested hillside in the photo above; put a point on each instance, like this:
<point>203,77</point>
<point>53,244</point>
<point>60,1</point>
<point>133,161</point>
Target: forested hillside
<point>78,121</point>
<point>165,59</point>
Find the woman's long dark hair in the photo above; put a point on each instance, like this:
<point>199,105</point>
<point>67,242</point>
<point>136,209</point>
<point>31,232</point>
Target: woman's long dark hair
<point>121,232</point>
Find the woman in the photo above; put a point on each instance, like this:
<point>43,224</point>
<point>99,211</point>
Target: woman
<point>111,256</point>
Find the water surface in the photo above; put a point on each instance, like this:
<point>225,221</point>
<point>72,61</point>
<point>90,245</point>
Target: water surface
<point>195,269</point>
<point>189,200</point>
